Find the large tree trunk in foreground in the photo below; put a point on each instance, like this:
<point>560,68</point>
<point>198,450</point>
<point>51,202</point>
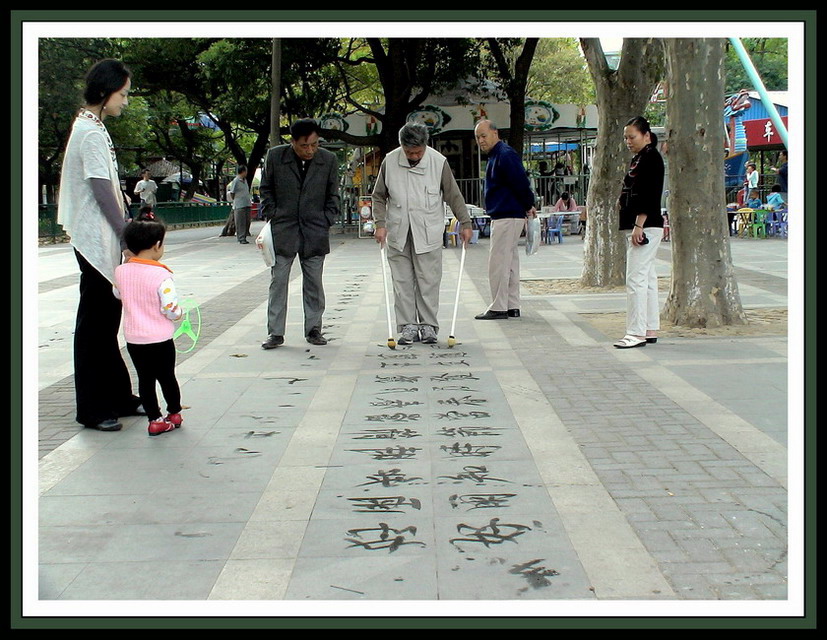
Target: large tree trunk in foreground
<point>704,291</point>
<point>621,95</point>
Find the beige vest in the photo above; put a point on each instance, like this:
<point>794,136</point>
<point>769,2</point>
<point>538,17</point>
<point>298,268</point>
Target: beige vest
<point>415,202</point>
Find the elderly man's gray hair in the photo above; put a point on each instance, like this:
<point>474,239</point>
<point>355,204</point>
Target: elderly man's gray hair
<point>414,134</point>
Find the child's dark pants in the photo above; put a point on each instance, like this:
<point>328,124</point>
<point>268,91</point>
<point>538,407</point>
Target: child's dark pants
<point>156,363</point>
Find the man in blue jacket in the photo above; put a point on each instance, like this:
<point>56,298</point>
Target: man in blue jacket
<point>508,201</point>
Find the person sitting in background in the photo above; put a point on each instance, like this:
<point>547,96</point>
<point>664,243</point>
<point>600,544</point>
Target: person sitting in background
<point>775,200</point>
<point>754,202</point>
<point>565,203</point>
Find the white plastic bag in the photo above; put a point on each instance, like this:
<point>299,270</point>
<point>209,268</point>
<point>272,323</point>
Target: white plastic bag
<point>532,236</point>
<point>264,242</point>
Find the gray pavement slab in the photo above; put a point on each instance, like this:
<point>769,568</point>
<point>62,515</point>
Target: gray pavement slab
<point>531,462</point>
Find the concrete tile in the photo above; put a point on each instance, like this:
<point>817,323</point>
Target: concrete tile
<point>253,579</point>
<point>383,577</point>
<point>535,468</point>
<point>138,543</point>
<point>159,580</point>
<point>53,579</point>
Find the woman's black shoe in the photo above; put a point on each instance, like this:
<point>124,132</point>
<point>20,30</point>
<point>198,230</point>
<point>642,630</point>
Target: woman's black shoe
<point>106,425</point>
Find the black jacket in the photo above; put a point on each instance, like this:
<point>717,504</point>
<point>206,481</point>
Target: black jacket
<point>642,189</point>
<point>300,212</point>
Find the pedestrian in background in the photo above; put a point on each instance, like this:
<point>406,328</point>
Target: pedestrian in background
<point>641,220</point>
<point>239,191</point>
<point>781,173</point>
<point>91,210</point>
<point>146,188</point>
<point>509,200</point>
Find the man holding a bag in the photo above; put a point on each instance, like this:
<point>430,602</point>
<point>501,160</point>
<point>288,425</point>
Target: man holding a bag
<point>508,201</point>
<point>300,200</point>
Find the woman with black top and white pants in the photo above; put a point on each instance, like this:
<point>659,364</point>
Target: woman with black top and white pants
<point>642,222</point>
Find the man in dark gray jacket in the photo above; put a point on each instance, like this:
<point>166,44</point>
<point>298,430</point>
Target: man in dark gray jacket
<point>300,197</point>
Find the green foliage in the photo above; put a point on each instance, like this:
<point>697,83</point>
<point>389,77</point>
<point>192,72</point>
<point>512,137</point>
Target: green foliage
<point>130,134</point>
<point>769,55</point>
<point>388,77</point>
<point>559,73</point>
<point>62,63</point>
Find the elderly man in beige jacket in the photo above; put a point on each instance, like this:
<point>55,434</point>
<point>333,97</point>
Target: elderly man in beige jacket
<point>413,183</point>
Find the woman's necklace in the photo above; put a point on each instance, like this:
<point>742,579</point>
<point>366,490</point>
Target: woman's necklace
<point>89,115</point>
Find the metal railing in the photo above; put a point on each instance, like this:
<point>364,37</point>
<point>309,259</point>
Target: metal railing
<point>547,188</point>
<point>734,184</point>
<point>173,214</point>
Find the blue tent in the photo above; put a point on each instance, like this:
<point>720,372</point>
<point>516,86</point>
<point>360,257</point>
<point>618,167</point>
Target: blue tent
<point>553,147</point>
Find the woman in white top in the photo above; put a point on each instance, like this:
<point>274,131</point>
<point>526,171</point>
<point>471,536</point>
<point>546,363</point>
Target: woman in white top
<point>751,181</point>
<point>91,211</point>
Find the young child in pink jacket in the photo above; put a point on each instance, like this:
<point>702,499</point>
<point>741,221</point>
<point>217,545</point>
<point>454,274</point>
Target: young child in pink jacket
<point>150,305</point>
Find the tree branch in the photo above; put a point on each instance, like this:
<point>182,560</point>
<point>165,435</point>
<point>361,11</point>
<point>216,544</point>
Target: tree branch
<point>596,58</point>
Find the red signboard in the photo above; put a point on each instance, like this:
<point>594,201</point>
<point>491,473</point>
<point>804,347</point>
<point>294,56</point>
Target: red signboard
<point>763,133</point>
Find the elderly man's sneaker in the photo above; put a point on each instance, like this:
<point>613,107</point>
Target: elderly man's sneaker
<point>427,333</point>
<point>410,334</point>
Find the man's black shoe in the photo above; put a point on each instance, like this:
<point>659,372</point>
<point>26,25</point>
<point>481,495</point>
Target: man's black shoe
<point>513,313</point>
<point>272,342</point>
<point>492,315</point>
<point>315,337</point>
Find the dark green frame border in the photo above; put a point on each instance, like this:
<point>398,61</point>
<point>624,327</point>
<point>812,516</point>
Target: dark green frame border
<point>808,621</point>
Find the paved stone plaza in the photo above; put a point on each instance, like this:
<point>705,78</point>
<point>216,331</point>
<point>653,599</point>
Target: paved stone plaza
<point>530,465</point>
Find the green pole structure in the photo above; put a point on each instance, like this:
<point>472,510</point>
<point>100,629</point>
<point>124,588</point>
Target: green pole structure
<point>759,85</point>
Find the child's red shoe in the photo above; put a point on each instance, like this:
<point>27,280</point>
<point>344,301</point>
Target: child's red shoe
<point>176,419</point>
<point>161,425</point>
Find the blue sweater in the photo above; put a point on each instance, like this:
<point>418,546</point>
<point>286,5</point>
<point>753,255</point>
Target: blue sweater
<point>507,188</point>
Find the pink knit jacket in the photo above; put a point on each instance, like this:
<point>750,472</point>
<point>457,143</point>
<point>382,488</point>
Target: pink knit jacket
<point>139,287</point>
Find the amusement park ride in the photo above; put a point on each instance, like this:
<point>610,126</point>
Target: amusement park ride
<point>736,138</point>
<point>734,109</point>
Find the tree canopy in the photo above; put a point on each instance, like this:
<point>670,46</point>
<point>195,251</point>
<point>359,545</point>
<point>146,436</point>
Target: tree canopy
<point>178,82</point>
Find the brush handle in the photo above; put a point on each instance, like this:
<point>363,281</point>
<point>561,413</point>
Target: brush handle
<point>459,282</point>
<point>387,295</point>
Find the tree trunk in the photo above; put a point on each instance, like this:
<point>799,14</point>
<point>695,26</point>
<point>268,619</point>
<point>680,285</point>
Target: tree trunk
<point>621,95</point>
<point>704,292</point>
<point>275,95</point>
<point>514,82</point>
